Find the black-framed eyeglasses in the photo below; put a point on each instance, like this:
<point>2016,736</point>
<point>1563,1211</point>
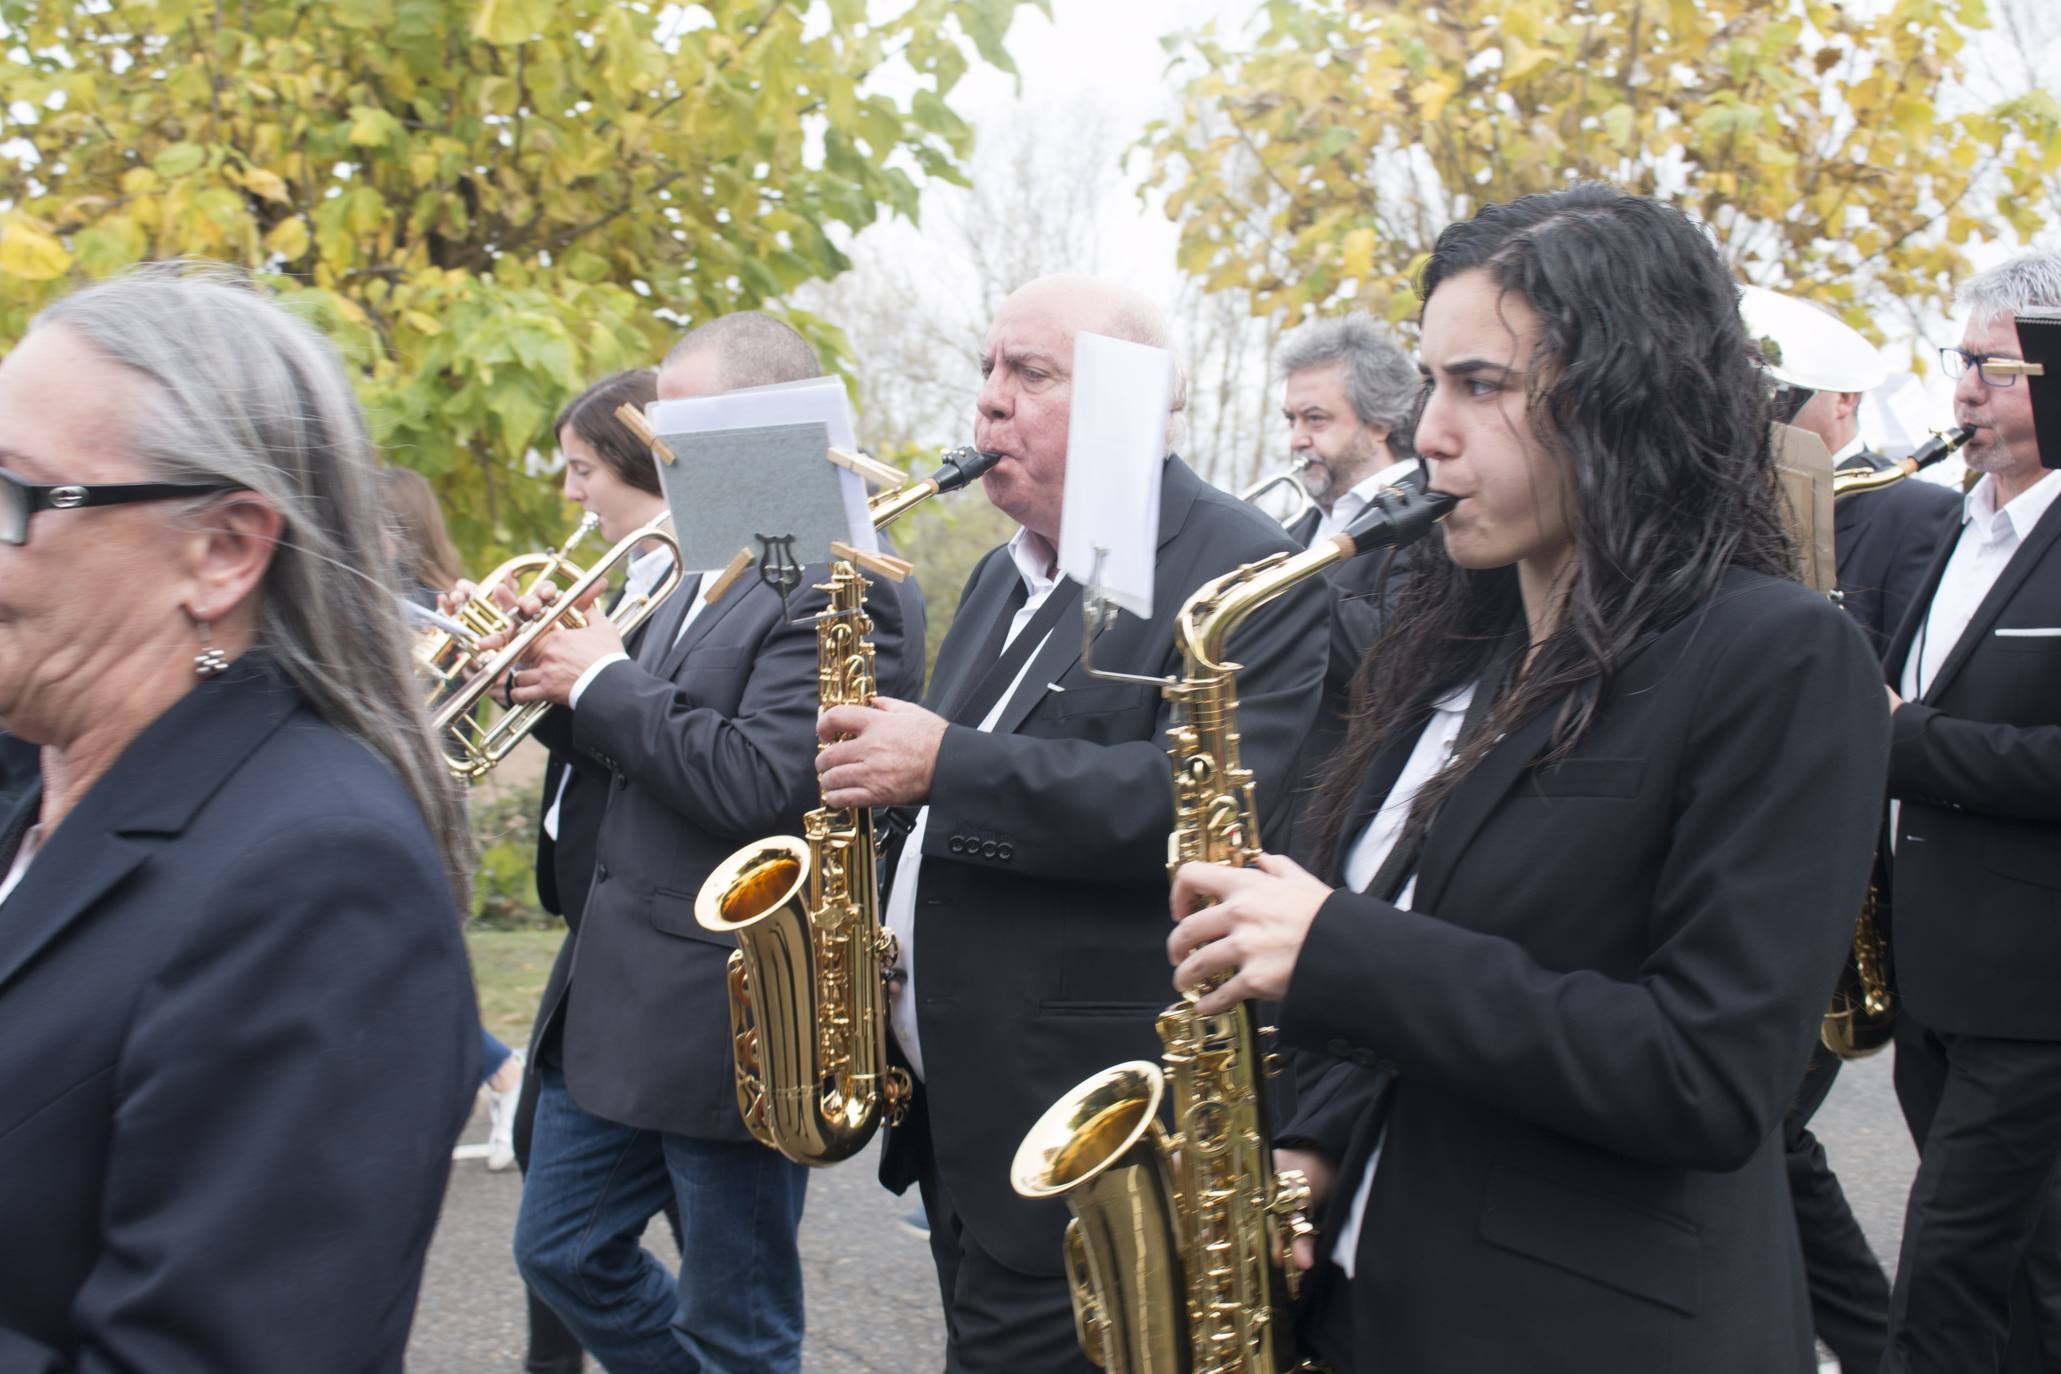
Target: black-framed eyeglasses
<point>1994,371</point>
<point>20,499</point>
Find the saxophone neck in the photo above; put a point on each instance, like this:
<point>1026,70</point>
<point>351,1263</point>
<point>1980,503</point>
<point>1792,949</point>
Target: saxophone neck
<point>1396,517</point>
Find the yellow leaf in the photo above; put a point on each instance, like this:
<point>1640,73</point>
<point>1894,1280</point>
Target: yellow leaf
<point>421,323</point>
<point>289,239</point>
<point>1358,254</point>
<point>260,182</point>
<point>29,253</point>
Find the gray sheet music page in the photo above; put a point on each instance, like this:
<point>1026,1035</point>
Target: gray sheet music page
<point>732,486</point>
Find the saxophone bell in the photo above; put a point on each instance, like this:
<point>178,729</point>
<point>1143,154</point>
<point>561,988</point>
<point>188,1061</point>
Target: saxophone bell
<point>1101,1146</point>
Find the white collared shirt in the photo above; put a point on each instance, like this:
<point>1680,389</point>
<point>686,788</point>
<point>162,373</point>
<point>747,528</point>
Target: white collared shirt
<point>1435,745</point>
<point>1347,507</point>
<point>30,843</point>
<point>1036,565</point>
<point>1988,539</point>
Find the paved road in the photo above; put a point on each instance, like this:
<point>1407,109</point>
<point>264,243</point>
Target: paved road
<point>872,1297</point>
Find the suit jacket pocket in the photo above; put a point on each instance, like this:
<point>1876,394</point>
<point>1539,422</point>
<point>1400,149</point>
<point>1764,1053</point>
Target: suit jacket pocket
<point>673,913</point>
<point>1638,1252</point>
<point>1099,698</point>
<point>1590,778</point>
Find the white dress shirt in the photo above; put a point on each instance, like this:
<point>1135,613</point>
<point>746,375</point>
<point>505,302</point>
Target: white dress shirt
<point>1441,735</point>
<point>1035,564</point>
<point>1347,507</point>
<point>645,571</point>
<point>30,843</point>
<point>1988,539</point>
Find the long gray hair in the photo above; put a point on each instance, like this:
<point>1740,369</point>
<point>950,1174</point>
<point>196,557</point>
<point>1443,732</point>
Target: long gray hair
<point>238,390</point>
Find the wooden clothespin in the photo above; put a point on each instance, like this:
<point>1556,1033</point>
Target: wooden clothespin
<point>886,564</point>
<point>633,420</point>
<point>727,578</point>
<point>874,471</point>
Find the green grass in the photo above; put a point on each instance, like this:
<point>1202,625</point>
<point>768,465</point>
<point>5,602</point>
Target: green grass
<point>509,968</point>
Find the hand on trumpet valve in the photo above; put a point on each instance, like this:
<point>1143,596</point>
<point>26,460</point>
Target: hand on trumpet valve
<point>1245,924</point>
<point>558,658</point>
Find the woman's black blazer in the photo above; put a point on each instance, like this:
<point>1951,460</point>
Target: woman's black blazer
<point>1576,1049</point>
<point>240,1040</point>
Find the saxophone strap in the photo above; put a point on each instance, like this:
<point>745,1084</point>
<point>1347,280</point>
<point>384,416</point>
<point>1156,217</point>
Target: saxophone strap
<point>1010,657</point>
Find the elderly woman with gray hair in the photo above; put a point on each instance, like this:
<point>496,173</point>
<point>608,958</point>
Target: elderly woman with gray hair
<point>240,1024</point>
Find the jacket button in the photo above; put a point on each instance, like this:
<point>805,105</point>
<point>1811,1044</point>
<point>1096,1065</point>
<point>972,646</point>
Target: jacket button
<point>987,849</point>
<point>600,873</point>
<point>1005,851</point>
<point>958,845</point>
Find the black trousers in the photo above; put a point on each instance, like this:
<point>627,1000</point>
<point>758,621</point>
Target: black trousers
<point>997,1319</point>
<point>1986,1117</point>
<point>1849,1292</point>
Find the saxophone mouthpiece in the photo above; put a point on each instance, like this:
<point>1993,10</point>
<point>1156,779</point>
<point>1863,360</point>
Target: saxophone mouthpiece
<point>1941,443</point>
<point>1399,516</point>
<point>963,466</point>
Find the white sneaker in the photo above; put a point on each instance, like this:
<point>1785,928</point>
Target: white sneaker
<point>501,1115</point>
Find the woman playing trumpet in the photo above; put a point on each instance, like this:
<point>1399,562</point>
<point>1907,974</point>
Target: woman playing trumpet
<point>1590,857</point>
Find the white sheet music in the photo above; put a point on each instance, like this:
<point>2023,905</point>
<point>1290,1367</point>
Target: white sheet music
<point>1116,440</point>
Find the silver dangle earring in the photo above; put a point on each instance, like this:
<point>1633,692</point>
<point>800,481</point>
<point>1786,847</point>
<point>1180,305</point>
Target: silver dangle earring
<point>210,660</point>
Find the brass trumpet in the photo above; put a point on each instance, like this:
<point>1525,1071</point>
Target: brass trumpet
<point>480,734</point>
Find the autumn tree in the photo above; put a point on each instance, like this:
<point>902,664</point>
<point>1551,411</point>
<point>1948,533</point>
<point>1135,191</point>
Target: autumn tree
<point>1832,150</point>
<point>487,203</point>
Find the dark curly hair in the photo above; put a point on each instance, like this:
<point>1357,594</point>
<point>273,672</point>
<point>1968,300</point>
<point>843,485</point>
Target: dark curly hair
<point>1644,387</point>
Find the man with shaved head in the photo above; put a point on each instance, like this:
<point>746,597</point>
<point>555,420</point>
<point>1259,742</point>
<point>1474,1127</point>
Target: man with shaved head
<point>1029,894</point>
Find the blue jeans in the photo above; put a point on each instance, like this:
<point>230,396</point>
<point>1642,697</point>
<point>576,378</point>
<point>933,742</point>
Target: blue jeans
<point>592,1187</point>
<point>496,1054</point>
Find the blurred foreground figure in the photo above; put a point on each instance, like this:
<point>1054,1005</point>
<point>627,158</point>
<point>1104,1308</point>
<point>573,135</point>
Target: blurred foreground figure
<point>239,1018</point>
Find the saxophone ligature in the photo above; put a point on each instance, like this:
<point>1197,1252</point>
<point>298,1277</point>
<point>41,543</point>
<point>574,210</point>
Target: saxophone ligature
<point>1862,1015</point>
<point>808,1018</point>
<point>1178,1250</point>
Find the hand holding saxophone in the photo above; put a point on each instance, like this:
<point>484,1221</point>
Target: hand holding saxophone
<point>883,754</point>
<point>1246,923</point>
<point>1319,1170</point>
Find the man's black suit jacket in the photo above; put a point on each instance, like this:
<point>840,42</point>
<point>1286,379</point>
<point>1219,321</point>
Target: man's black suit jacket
<point>1883,541</point>
<point>1041,916</point>
<point>710,740</point>
<point>241,1040</point>
<point>1576,1049</point>
<point>1976,764</point>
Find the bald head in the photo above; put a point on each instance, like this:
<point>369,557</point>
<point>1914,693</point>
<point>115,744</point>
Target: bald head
<point>733,352</point>
<point>1093,304</point>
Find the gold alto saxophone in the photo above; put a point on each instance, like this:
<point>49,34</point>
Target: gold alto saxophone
<point>807,1021</point>
<point>1861,1017</point>
<point>1178,1250</point>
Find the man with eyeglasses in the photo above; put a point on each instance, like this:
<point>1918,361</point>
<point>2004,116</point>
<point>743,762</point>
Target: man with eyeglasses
<point>1974,676</point>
